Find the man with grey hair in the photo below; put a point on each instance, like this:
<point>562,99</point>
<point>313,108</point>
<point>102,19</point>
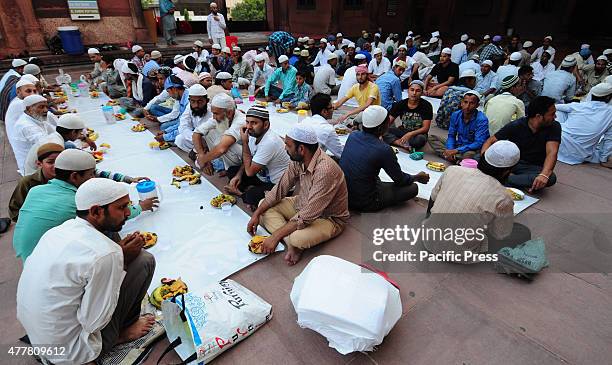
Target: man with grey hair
<point>219,136</point>
<point>193,116</point>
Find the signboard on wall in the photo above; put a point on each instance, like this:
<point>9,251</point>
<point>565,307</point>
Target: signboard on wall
<point>84,9</point>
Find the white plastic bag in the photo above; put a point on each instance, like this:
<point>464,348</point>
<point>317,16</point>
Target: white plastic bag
<point>354,309</point>
<point>200,326</point>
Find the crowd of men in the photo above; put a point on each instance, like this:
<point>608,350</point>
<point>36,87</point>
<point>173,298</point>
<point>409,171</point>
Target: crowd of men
<point>504,105</point>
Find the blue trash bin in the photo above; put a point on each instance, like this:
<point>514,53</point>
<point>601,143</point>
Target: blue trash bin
<point>71,40</point>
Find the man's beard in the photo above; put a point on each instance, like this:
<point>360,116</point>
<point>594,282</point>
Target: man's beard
<point>198,112</point>
<point>222,125</point>
<point>40,117</point>
<point>109,226</point>
<point>362,82</point>
<point>297,157</point>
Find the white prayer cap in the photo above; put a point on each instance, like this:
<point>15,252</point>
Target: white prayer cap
<point>602,57</point>
<point>306,39</point>
<point>204,75</point>
<point>464,37</point>
<point>403,46</point>
<point>468,73</point>
<point>473,92</point>
<point>98,191</point>
<point>527,44</point>
<point>376,34</point>
<point>31,69</point>
<point>433,40</point>
<point>226,50</point>
<point>216,46</point>
<point>71,121</point>
<point>332,56</point>
<point>568,61</point>
<point>376,51</point>
<point>360,56</point>
<point>223,101</point>
<point>323,40</point>
<point>488,63</point>
<point>408,38</point>
<point>435,34</point>
<point>126,69</point>
<point>373,116</point>
<point>548,37</point>
<point>93,51</point>
<point>475,57</point>
<point>259,58</point>
<point>223,75</point>
<point>585,46</point>
<point>74,159</point>
<point>486,37</point>
<point>503,154</point>
<point>602,89</point>
<point>409,33</point>
<point>33,99</point>
<point>198,43</point>
<point>304,133</point>
<point>18,62</point>
<point>26,81</point>
<point>236,49</point>
<point>178,59</point>
<point>213,4</point>
<point>607,51</point>
<point>282,59</point>
<point>136,48</point>
<point>29,77</point>
<point>155,54</point>
<point>196,90</point>
<point>447,50</point>
<point>516,56</point>
<point>471,41</point>
<point>339,35</point>
<point>352,45</point>
<point>424,45</point>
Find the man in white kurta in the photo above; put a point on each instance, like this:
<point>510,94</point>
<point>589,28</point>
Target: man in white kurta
<point>26,86</point>
<point>215,25</point>
<point>82,290</point>
<point>192,117</point>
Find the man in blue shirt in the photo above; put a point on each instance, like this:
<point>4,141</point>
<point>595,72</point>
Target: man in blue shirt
<point>468,130</point>
<point>281,85</point>
<point>389,85</point>
<point>166,14</point>
<point>561,84</point>
<point>176,89</point>
<point>364,155</point>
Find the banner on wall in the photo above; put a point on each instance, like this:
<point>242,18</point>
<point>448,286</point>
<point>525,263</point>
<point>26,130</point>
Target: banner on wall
<point>84,9</point>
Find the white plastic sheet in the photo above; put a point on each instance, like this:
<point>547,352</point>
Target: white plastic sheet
<point>354,309</point>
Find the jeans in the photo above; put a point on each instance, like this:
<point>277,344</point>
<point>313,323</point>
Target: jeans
<point>158,110</point>
<point>387,194</point>
<point>524,173</point>
<point>417,142</point>
<point>274,92</point>
<point>166,126</point>
<point>438,144</point>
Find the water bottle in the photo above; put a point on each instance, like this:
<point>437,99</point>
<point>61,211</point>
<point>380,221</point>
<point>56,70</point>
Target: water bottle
<point>251,92</point>
<point>301,115</point>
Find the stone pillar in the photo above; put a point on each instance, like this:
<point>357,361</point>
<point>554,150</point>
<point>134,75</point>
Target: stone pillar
<point>34,37</point>
<point>20,28</point>
<point>141,33</point>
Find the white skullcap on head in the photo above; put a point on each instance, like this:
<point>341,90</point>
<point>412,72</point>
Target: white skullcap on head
<point>339,35</point>
<point>447,50</point>
<point>473,92</point>
<point>71,121</point>
<point>602,57</point>
<point>568,61</point>
<point>223,75</point>
<point>197,90</point>
<point>433,40</point>
<point>360,56</point>
<point>300,40</point>
<point>282,59</point>
<point>155,54</point>
<point>435,34</point>
<point>602,89</point>
<point>213,3</point>
<point>409,33</point>
<point>223,101</point>
<point>323,40</point>
<point>464,37</point>
<point>204,75</point>
<point>259,58</point>
<point>516,56</point>
<point>136,48</point>
<point>548,37</point>
<point>376,34</point>
<point>29,77</point>
<point>93,51</point>
<point>33,99</point>
<point>98,191</point>
<point>467,73</point>
<point>18,62</point>
<point>403,46</point>
<point>226,50</point>
<point>23,81</point>
<point>607,51</point>
<point>31,69</point>
<point>486,37</point>
<point>178,59</point>
<point>332,56</point>
<point>198,43</point>
<point>352,45</point>
<point>527,44</point>
<point>216,46</point>
<point>304,133</point>
<point>503,154</point>
<point>376,51</point>
<point>236,49</point>
<point>75,160</point>
<point>585,46</point>
<point>373,116</point>
<point>488,63</point>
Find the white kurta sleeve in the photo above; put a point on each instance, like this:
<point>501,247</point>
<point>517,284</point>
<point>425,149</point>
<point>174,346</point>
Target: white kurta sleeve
<point>174,113</point>
<point>185,123</point>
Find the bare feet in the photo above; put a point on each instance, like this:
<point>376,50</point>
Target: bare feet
<point>293,255</point>
<point>137,329</point>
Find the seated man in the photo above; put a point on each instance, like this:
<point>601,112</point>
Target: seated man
<point>243,72</point>
<point>469,129</point>
<point>223,85</point>
<point>531,88</point>
<point>486,79</point>
<point>318,212</point>
<point>218,136</point>
<point>561,84</point>
<point>446,73</point>
<point>594,74</point>
<point>261,73</point>
<point>264,159</point>
<point>303,92</point>
<point>46,155</point>
<point>169,127</point>
<point>25,87</point>
<point>365,92</point>
<point>322,109</point>
<point>139,89</point>
<point>281,84</point>
<point>102,283</point>
<point>412,116</point>
<point>587,131</point>
<point>192,117</point>
<point>379,64</point>
<point>364,156</point>
<point>505,107</point>
<point>325,76</point>
<point>538,136</point>
<point>389,85</point>
<point>451,100</point>
<point>157,106</point>
<point>474,198</point>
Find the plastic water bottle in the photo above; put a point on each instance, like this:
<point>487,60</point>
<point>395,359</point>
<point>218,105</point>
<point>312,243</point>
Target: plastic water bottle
<point>301,115</point>
<point>251,92</point>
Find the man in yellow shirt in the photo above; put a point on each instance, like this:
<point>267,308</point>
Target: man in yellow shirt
<point>365,92</point>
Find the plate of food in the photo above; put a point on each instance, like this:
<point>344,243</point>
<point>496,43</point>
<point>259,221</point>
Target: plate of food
<point>138,128</point>
<point>98,156</point>
<point>149,238</point>
<point>159,145</point>
<point>282,110</point>
<point>112,103</point>
<point>515,193</point>
<point>119,116</point>
<point>436,166</point>
<point>92,135</point>
<point>256,244</point>
<point>169,288</point>
<point>342,130</point>
<point>94,94</point>
<point>222,198</point>
<point>179,171</point>
<point>261,103</point>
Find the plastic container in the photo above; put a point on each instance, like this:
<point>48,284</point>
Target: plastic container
<point>301,115</point>
<point>148,189</point>
<point>469,163</point>
<point>83,88</point>
<point>109,116</point>
<point>71,40</point>
<point>226,208</point>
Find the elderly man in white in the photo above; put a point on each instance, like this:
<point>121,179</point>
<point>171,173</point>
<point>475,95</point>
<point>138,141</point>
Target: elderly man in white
<point>102,282</point>
<point>26,86</point>
<point>215,25</point>
<point>31,127</point>
<point>192,117</point>
<point>379,64</point>
<point>219,137</point>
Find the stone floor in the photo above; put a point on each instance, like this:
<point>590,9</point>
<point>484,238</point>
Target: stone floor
<point>560,318</point>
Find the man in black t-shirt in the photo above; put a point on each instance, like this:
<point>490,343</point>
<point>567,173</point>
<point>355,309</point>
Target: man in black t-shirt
<point>446,73</point>
<point>538,136</point>
<point>410,119</point>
